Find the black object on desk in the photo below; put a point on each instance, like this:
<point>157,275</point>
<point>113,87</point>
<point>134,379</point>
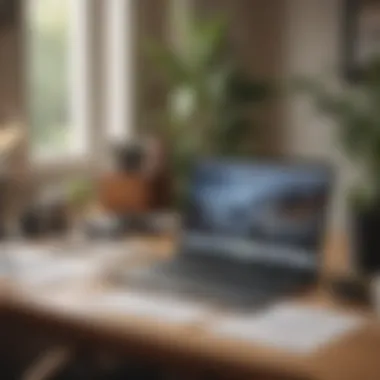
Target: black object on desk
<point>43,220</point>
<point>349,289</point>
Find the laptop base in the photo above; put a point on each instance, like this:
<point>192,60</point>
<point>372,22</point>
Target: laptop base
<point>219,282</point>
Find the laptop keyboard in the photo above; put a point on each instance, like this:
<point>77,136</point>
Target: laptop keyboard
<point>214,280</point>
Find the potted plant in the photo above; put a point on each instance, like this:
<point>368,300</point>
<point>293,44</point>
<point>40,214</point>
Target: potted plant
<point>357,112</point>
<point>210,99</point>
<point>79,194</point>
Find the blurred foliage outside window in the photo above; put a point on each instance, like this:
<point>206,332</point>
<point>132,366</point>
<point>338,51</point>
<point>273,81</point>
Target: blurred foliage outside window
<point>48,76</point>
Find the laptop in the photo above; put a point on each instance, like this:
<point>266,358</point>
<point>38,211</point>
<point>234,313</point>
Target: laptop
<point>252,232</point>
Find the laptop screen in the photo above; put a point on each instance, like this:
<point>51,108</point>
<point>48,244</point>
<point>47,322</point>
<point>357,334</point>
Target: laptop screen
<point>267,212</point>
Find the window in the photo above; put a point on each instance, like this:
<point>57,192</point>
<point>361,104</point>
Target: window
<point>56,77</point>
<point>65,41</point>
<point>119,68</point>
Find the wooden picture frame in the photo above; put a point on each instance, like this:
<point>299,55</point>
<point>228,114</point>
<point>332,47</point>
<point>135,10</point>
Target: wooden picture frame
<point>361,32</point>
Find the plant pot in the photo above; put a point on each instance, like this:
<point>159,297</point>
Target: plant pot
<point>124,194</point>
<point>366,240</point>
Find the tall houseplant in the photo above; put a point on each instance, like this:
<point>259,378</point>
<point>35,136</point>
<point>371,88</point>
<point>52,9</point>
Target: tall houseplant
<point>210,102</point>
<point>357,112</point>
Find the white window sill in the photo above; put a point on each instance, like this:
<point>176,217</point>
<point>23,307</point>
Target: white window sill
<point>61,164</point>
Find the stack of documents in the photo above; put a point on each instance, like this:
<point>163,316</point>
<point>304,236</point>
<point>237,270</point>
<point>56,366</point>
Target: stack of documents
<point>298,328</point>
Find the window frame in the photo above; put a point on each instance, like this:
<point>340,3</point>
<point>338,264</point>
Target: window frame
<point>93,103</point>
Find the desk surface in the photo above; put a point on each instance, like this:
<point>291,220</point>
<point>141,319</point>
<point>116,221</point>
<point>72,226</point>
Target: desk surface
<point>352,358</point>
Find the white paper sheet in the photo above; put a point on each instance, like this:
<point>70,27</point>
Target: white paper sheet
<point>55,271</point>
<point>64,301</point>
<point>41,265</point>
<point>144,305</point>
<point>296,328</point>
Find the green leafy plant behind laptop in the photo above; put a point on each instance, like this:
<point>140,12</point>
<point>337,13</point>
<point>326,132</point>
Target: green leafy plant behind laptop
<point>356,111</point>
<point>210,101</point>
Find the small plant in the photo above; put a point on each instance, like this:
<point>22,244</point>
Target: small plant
<point>80,193</point>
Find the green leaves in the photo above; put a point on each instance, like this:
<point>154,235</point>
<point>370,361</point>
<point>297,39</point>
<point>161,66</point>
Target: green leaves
<point>357,113</point>
<point>210,98</point>
<point>80,192</point>
<point>167,62</point>
<point>242,90</point>
<point>207,42</point>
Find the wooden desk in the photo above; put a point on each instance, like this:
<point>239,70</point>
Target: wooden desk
<point>192,346</point>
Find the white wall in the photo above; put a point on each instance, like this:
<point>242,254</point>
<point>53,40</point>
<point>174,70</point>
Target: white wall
<point>313,45</point>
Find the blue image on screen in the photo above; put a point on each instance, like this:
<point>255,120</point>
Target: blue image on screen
<point>261,203</point>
